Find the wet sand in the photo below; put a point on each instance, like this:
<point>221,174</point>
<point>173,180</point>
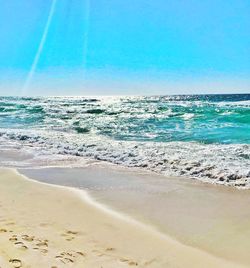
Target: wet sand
<point>213,218</point>
<point>53,226</point>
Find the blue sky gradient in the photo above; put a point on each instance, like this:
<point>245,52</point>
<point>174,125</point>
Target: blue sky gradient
<point>126,47</point>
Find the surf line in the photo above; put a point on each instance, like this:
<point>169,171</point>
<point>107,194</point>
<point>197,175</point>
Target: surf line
<point>40,48</point>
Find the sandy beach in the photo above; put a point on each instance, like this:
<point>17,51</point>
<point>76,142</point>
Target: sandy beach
<point>52,226</point>
<point>204,216</point>
<point>124,134</point>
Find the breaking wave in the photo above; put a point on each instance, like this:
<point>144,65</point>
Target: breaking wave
<point>195,136</point>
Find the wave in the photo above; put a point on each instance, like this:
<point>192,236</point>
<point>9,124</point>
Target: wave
<point>161,119</point>
<point>204,137</point>
<point>213,163</point>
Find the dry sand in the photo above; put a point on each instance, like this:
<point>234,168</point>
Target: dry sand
<point>52,226</point>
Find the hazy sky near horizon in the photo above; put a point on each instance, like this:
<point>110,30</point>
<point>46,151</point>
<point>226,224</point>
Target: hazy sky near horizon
<point>106,47</point>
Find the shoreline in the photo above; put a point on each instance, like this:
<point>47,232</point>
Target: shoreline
<point>94,228</point>
<point>130,154</point>
<point>198,215</point>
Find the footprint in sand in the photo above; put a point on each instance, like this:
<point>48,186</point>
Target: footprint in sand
<point>20,245</point>
<point>72,232</point>
<point>42,250</point>
<point>69,235</point>
<point>16,263</point>
<point>110,249</point>
<point>42,246</point>
<point>28,238</point>
<point>129,262</point>
<point>17,242</point>
<point>69,257</point>
<point>106,254</point>
<point>13,238</point>
<point>80,253</point>
<point>3,230</point>
<point>66,257</point>
<point>37,244</point>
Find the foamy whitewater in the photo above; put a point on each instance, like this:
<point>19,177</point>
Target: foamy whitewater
<point>206,137</point>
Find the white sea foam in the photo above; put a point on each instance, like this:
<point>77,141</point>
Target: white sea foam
<point>215,163</point>
<point>201,137</point>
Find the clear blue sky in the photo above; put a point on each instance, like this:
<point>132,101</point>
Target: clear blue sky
<point>125,47</point>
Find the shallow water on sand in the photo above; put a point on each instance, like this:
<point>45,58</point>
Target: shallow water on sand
<point>213,218</point>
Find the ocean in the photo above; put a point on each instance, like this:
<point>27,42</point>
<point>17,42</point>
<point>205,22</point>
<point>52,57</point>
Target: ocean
<point>205,137</point>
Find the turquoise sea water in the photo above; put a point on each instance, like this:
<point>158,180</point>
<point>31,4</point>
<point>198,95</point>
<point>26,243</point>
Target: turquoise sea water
<point>205,119</point>
<point>180,135</point>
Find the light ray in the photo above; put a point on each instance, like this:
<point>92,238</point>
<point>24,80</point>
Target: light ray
<point>40,49</point>
<point>86,36</point>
